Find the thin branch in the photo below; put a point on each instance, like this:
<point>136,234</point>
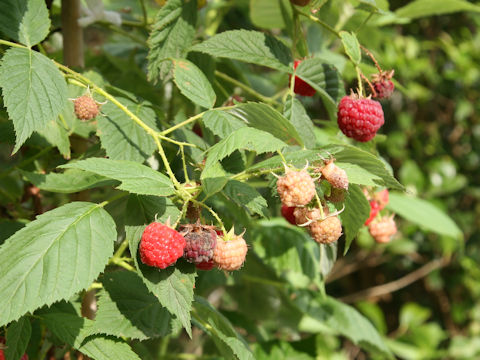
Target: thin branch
<point>398,284</point>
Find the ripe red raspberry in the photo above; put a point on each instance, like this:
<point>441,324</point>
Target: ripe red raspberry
<point>205,265</point>
<point>161,246</point>
<point>359,118</point>
<point>326,231</point>
<point>335,176</point>
<point>383,84</point>
<point>301,87</point>
<point>287,213</point>
<point>85,107</point>
<point>300,2</point>
<point>296,188</point>
<point>374,210</point>
<point>383,229</point>
<point>304,215</point>
<point>230,252</point>
<point>200,242</point>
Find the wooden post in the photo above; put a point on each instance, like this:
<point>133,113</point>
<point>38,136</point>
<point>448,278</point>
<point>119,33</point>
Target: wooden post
<point>72,34</point>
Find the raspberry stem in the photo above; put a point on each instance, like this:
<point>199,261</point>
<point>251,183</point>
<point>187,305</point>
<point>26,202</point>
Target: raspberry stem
<point>360,82</point>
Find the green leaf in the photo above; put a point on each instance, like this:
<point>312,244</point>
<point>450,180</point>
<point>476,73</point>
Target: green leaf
<point>34,91</point>
<point>77,238</point>
<point>173,286</point>
<point>248,46</point>
<point>221,331</point>
<point>245,195</point>
<point>193,84</point>
<point>423,213</point>
<point>74,330</point>
<point>353,155</point>
<point>352,46</point>
<point>25,21</point>
<point>70,181</point>
<point>213,178</point>
<point>221,123</point>
<point>290,252</point>
<point>346,321</point>
<point>358,175</point>
<point>422,8</point>
<point>264,117</point>
<point>135,177</point>
<point>57,136</point>
<point>328,256</point>
<point>127,309</point>
<point>357,211</point>
<point>121,137</point>
<point>172,34</point>
<point>325,79</point>
<point>244,138</point>
<point>267,14</point>
<point>18,336</point>
<point>297,115</point>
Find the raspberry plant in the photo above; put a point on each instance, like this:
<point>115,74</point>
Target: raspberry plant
<point>190,121</point>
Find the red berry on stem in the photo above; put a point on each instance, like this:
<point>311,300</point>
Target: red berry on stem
<point>200,242</point>
<point>161,246</point>
<point>374,210</point>
<point>383,84</point>
<point>359,118</point>
<point>287,213</point>
<point>301,87</point>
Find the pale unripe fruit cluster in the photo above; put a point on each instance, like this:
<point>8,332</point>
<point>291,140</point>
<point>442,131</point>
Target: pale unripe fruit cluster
<point>296,188</point>
<point>382,230</point>
<point>230,255</point>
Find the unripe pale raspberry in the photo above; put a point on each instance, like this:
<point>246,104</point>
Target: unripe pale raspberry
<point>230,252</point>
<point>359,118</point>
<point>303,215</point>
<point>326,231</point>
<point>382,230</point>
<point>85,107</point>
<point>200,242</point>
<point>161,246</point>
<point>301,87</point>
<point>335,176</point>
<point>296,188</point>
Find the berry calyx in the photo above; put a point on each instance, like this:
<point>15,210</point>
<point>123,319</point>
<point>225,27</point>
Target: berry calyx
<point>301,87</point>
<point>200,242</point>
<point>85,107</point>
<point>230,252</point>
<point>383,84</point>
<point>161,246</point>
<point>359,118</point>
<point>334,175</point>
<point>383,229</point>
<point>287,213</point>
<point>295,188</point>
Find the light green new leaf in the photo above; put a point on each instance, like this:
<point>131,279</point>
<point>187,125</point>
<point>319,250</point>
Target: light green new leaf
<point>193,83</point>
<point>136,178</point>
<point>245,195</point>
<point>172,34</point>
<point>244,138</point>
<point>264,117</point>
<point>34,91</point>
<point>357,211</point>
<point>325,79</point>
<point>25,21</point>
<point>297,115</point>
<point>248,46</point>
<point>75,330</point>
<point>221,123</point>
<point>70,181</point>
<point>77,238</point>
<point>127,309</point>
<point>18,336</point>
<point>121,137</point>
<point>352,46</point>
<point>422,8</point>
<point>423,213</point>
<point>173,287</point>
<point>344,320</point>
<point>221,330</point>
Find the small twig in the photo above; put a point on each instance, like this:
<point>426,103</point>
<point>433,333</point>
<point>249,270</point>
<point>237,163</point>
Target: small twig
<point>398,284</point>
